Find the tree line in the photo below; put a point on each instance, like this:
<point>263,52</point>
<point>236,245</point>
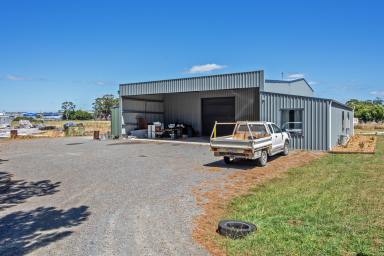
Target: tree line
<point>368,110</point>
<point>102,109</point>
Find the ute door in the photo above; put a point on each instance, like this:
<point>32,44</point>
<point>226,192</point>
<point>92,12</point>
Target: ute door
<point>277,138</point>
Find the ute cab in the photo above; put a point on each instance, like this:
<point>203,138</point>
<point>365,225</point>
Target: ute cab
<point>250,140</point>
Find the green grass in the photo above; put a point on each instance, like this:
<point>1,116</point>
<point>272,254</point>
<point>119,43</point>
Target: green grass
<point>334,206</point>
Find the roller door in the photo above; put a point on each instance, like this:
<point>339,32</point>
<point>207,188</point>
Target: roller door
<point>217,109</point>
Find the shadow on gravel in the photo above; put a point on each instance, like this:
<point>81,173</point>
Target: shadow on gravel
<point>22,232</point>
<point>74,144</point>
<point>3,160</point>
<point>240,164</point>
<point>13,192</point>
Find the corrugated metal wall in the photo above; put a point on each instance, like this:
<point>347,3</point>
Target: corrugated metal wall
<point>186,107</point>
<point>315,116</point>
<point>205,83</point>
<point>336,123</point>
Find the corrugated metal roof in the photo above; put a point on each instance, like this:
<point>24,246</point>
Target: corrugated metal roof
<point>203,83</point>
<point>334,102</point>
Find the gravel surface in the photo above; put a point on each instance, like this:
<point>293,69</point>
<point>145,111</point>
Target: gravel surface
<point>76,196</point>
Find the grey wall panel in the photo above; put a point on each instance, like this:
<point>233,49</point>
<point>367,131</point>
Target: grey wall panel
<point>336,123</point>
<point>186,107</point>
<point>315,116</point>
<point>206,83</point>
<point>297,87</point>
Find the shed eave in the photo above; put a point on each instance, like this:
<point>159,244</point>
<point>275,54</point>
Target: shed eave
<point>242,80</point>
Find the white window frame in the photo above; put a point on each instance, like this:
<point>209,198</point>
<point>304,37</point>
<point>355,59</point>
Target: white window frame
<point>294,131</point>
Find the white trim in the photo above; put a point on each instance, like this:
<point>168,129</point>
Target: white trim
<point>330,125</point>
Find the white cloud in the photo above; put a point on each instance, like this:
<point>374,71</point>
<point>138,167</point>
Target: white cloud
<point>313,82</point>
<point>296,76</point>
<point>378,93</point>
<point>104,83</point>
<point>17,78</point>
<point>205,68</point>
<point>100,83</point>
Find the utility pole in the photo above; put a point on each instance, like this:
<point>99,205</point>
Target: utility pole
<point>282,75</point>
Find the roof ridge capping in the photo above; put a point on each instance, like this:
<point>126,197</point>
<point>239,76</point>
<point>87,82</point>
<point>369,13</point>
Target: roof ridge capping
<point>195,77</point>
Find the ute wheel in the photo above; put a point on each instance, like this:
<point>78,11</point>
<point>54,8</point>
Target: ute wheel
<point>262,161</point>
<point>235,229</point>
<point>286,149</point>
<point>227,160</point>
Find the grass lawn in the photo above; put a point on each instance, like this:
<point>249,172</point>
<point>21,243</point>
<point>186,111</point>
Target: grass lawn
<point>361,128</point>
<point>334,206</point>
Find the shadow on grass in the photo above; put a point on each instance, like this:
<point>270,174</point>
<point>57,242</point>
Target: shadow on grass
<point>240,164</point>
<point>24,231</point>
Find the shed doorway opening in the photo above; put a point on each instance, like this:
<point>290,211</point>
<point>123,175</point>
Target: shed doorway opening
<point>217,109</point>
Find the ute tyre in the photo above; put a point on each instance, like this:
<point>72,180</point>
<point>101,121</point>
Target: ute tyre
<point>235,229</point>
<point>228,160</point>
<point>286,149</point>
<point>263,159</point>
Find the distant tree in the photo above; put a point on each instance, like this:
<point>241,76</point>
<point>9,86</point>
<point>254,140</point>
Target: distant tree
<point>103,106</point>
<point>368,110</point>
<point>378,101</point>
<point>352,102</point>
<point>80,115</point>
<point>68,108</point>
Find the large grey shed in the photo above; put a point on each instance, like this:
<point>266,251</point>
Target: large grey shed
<point>314,123</point>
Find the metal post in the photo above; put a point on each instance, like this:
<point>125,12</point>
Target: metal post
<point>214,130</point>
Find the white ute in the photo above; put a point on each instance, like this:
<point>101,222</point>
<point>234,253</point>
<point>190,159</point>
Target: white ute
<point>250,140</point>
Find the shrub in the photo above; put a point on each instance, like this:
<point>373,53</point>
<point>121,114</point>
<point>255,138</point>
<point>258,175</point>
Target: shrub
<point>80,115</point>
<point>17,119</point>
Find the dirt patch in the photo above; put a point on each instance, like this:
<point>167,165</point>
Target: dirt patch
<point>358,144</point>
<point>43,135</point>
<point>213,196</point>
<point>51,134</point>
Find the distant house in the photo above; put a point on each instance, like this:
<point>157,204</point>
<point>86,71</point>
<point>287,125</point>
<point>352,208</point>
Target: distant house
<point>314,123</point>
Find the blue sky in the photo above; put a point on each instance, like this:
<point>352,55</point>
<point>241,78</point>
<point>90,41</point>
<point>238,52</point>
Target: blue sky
<point>52,51</point>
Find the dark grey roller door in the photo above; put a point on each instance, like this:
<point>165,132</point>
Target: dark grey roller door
<point>217,109</point>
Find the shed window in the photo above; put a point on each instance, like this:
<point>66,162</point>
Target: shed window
<point>342,121</point>
<point>292,121</point>
<point>348,122</point>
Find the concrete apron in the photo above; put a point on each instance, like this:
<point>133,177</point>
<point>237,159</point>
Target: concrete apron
<point>171,141</point>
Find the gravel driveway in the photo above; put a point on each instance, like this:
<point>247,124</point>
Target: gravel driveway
<point>75,196</point>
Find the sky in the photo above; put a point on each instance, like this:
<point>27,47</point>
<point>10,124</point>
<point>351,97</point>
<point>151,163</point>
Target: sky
<point>56,51</point>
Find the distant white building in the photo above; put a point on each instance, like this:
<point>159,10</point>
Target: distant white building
<point>5,121</point>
